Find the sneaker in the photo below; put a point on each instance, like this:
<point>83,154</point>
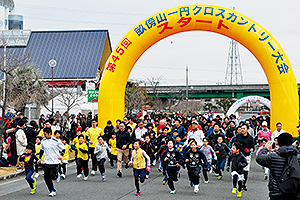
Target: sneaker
<point>58,178</point>
<point>196,188</point>
<point>93,172</point>
<point>220,177</point>
<point>119,174</point>
<point>206,182</point>
<point>164,182</point>
<point>233,191</point>
<point>245,188</point>
<point>36,175</point>
<point>154,163</point>
<point>32,191</point>
<point>266,177</point>
<point>160,170</point>
<point>112,167</point>
<point>86,178</point>
<point>34,187</point>
<point>191,184</point>
<point>52,193</point>
<point>103,177</point>
<point>172,191</point>
<point>126,166</point>
<point>147,176</point>
<point>216,174</point>
<point>239,194</point>
<point>138,193</point>
<point>63,176</point>
<point>79,175</point>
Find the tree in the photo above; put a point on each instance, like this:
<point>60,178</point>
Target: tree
<point>225,103</point>
<point>21,84</point>
<point>154,82</point>
<point>135,97</point>
<point>209,106</point>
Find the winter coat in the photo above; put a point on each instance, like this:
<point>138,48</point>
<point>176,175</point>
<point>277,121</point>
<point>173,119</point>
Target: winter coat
<point>276,162</point>
<point>238,162</point>
<point>21,141</point>
<point>31,134</point>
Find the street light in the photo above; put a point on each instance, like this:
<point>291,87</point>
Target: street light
<point>52,63</point>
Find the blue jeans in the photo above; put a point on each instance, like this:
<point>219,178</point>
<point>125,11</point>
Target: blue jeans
<point>29,179</point>
<point>220,165</point>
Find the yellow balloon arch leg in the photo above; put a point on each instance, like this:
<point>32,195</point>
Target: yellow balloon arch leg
<point>281,79</point>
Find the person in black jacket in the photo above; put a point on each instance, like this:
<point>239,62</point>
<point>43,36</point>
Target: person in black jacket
<point>194,158</point>
<point>31,131</point>
<point>276,162</point>
<point>173,159</point>
<point>221,150</point>
<point>108,130</point>
<point>238,163</point>
<point>123,142</point>
<point>247,142</point>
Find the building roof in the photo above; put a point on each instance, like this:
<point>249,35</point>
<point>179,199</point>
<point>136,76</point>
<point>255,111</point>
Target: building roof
<point>79,53</point>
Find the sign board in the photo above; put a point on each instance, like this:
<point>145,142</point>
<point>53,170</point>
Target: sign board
<point>93,95</point>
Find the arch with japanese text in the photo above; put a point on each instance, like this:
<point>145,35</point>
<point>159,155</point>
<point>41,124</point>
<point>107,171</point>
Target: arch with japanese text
<point>227,22</point>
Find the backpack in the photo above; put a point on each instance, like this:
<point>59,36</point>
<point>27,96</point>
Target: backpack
<point>289,182</point>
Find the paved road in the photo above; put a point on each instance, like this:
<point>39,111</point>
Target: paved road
<point>123,188</point>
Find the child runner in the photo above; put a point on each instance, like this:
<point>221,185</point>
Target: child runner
<point>149,149</point>
<point>179,145</point>
<point>29,158</point>
<point>65,158</point>
<point>194,158</point>
<point>37,153</point>
<point>113,145</point>
<point>263,144</point>
<point>101,150</point>
<point>221,150</point>
<point>139,165</point>
<point>162,165</point>
<point>82,158</point>
<point>210,155</point>
<point>173,160</point>
<point>237,167</point>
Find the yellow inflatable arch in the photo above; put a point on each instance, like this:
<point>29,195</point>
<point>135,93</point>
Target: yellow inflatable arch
<point>276,65</point>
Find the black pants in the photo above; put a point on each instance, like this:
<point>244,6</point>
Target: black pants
<point>93,157</point>
<point>82,163</point>
<point>205,174</point>
<point>173,175</point>
<point>100,164</point>
<point>193,173</point>
<point>50,173</point>
<point>63,166</point>
<point>235,181</point>
<point>112,158</point>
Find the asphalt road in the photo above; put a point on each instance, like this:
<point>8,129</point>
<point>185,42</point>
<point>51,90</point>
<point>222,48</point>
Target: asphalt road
<point>123,188</point>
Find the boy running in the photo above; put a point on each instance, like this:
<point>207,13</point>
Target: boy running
<point>101,150</point>
<point>82,158</point>
<point>237,167</point>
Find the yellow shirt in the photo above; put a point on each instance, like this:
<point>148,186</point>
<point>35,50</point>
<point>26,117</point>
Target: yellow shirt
<point>80,154</point>
<point>41,133</point>
<point>138,159</point>
<point>113,146</point>
<point>38,150</point>
<point>66,155</point>
<point>93,134</point>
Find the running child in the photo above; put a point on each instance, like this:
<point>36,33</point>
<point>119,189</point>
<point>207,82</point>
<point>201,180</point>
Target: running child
<point>140,166</point>
<point>100,151</point>
<point>37,153</point>
<point>162,165</point>
<point>210,155</point>
<point>112,143</point>
<point>65,158</point>
<point>173,160</point>
<point>221,150</point>
<point>82,158</point>
<point>263,144</point>
<point>237,167</point>
<point>148,147</point>
<point>194,158</point>
<point>28,158</point>
<point>179,145</point>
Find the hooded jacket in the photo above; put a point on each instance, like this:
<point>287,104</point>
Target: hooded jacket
<point>276,163</point>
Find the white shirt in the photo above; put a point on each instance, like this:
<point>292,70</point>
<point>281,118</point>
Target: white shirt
<point>51,148</point>
<point>140,132</point>
<point>198,135</point>
<point>276,134</point>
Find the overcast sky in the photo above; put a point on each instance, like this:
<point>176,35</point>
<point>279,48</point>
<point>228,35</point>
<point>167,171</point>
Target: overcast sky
<point>205,53</point>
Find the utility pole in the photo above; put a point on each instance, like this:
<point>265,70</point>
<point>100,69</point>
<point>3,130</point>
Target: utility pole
<point>187,86</point>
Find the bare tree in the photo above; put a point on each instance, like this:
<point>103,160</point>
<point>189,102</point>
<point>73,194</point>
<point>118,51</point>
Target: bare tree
<point>154,83</point>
